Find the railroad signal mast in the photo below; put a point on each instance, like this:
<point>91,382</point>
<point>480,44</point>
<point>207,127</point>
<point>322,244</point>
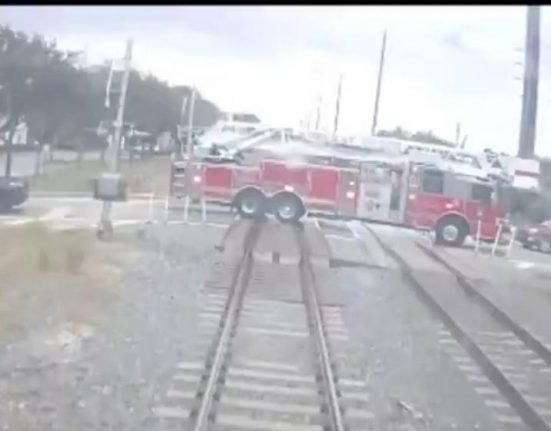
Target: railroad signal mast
<point>109,187</point>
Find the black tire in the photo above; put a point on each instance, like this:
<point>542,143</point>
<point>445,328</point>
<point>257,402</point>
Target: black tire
<point>251,204</point>
<point>288,208</point>
<point>451,231</point>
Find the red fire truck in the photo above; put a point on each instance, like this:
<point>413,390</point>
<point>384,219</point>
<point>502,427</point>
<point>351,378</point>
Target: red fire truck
<point>395,191</point>
<point>429,197</point>
<point>289,190</point>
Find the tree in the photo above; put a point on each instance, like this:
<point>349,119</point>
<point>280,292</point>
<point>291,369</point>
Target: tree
<point>153,104</point>
<point>58,101</point>
<point>39,84</point>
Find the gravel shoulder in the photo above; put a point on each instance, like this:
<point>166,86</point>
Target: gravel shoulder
<point>88,359</point>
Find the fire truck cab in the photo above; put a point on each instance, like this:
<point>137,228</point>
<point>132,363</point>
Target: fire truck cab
<point>428,197</point>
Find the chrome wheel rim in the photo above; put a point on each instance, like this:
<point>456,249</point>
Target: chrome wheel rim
<point>450,233</point>
<point>287,211</point>
<point>248,206</point>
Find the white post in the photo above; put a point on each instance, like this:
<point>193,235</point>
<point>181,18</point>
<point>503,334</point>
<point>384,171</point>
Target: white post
<point>186,207</point>
<point>151,200</point>
<point>511,241</point>
<point>167,208</point>
<point>496,241</point>
<point>478,228</point>
<point>203,209</point>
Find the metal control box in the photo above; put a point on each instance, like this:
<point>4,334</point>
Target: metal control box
<point>110,187</point>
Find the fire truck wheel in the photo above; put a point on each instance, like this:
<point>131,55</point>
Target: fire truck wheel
<point>250,203</point>
<point>451,231</point>
<point>288,207</point>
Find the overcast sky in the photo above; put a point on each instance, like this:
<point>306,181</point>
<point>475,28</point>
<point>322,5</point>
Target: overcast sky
<point>443,64</point>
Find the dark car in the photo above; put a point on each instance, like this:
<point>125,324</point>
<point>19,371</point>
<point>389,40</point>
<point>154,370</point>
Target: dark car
<point>537,237</point>
<point>13,192</point>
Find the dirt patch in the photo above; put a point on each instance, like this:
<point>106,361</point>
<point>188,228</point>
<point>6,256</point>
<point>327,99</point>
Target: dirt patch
<point>50,277</point>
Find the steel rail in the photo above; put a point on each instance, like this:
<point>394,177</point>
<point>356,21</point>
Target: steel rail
<point>238,287</point>
<point>308,282</point>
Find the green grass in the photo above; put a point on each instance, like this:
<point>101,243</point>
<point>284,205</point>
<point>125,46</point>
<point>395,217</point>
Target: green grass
<point>34,249</point>
<point>69,177</point>
<point>143,176</point>
<point>55,276</point>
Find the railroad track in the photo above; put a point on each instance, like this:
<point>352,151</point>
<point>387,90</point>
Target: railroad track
<point>508,367</point>
<point>269,365</point>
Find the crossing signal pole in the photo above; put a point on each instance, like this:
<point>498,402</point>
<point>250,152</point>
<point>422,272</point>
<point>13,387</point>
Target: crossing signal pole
<point>114,150</point>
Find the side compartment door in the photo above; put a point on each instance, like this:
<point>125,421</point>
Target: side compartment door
<point>323,188</point>
<point>375,192</point>
<point>217,180</point>
<point>347,197</point>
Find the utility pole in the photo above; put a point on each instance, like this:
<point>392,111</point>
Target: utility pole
<point>318,114</point>
<point>457,134</point>
<point>337,107</point>
<point>379,82</point>
<point>10,130</point>
<point>181,127</point>
<point>190,125</point>
<point>528,118</point>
